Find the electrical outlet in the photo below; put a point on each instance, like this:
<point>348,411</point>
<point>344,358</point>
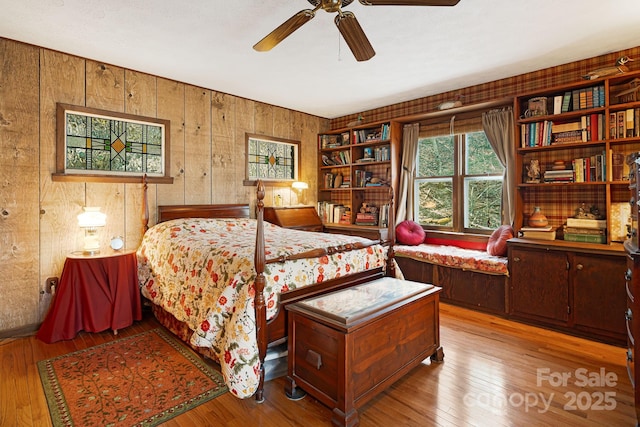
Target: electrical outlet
<point>51,282</point>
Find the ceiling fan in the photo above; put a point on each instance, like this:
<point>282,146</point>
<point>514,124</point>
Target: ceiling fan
<point>345,21</point>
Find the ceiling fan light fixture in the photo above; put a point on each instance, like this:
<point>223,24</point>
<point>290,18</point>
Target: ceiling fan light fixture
<point>354,36</point>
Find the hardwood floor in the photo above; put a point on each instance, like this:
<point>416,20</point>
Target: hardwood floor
<point>495,373</point>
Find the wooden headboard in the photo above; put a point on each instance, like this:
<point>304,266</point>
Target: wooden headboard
<point>167,212</point>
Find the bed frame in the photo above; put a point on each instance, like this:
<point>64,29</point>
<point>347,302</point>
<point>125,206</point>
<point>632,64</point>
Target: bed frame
<point>275,329</point>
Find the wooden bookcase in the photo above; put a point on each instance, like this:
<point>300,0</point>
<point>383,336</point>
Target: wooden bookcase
<point>342,171</point>
<point>599,105</point>
<point>574,286</point>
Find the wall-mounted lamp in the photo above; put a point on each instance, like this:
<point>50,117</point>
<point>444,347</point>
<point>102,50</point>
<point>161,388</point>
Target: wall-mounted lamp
<point>90,220</point>
<point>299,187</point>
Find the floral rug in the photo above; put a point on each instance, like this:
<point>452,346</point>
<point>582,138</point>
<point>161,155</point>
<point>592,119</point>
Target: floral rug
<point>142,380</point>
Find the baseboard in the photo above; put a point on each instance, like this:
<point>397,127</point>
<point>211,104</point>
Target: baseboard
<point>23,331</point>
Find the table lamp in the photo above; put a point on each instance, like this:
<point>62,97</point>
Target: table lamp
<point>299,188</point>
<point>90,220</point>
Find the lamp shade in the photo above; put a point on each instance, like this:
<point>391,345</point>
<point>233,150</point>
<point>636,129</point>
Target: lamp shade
<point>299,185</point>
<point>92,217</point>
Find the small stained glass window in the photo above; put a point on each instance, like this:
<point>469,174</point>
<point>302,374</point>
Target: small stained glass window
<point>103,143</point>
<point>271,159</point>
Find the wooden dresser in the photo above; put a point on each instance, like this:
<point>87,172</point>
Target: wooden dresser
<point>632,284</point>
<point>298,217</point>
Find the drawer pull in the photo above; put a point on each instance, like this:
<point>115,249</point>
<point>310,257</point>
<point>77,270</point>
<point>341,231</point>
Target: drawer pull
<point>629,360</point>
<point>629,294</point>
<point>516,259</point>
<point>628,316</point>
<point>314,359</point>
<point>628,274</point>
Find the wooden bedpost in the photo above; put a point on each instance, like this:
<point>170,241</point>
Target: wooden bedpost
<point>145,204</point>
<point>259,301</point>
<point>391,236</point>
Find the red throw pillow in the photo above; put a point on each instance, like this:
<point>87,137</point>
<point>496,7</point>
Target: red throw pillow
<point>409,233</point>
<point>497,244</point>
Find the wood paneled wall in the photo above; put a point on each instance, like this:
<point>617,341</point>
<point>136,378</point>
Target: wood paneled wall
<point>38,225</point>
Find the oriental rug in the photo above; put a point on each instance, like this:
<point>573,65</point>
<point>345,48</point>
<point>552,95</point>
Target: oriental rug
<point>142,380</point>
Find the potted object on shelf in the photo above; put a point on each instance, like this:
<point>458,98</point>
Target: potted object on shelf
<point>537,218</point>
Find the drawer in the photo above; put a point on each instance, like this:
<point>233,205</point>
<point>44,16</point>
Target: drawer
<point>317,348</point>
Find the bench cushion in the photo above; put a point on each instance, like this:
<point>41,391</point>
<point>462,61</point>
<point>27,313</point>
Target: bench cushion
<point>453,256</point>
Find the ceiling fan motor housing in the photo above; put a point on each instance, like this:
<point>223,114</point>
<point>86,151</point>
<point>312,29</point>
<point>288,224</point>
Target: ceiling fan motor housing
<point>330,5</point>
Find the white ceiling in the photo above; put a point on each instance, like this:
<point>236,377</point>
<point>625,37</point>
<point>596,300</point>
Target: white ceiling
<point>420,51</point>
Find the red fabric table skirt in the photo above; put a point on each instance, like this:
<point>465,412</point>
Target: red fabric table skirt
<point>95,293</point>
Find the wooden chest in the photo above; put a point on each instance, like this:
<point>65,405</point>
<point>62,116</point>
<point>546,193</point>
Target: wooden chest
<point>347,346</point>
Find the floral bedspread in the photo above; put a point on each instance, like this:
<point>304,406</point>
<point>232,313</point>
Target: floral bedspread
<point>202,272</point>
<point>453,256</point>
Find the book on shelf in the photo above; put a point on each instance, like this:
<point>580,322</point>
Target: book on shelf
<point>589,169</point>
<point>565,175</point>
<point>613,127</point>
<point>330,212</point>
<point>338,211</point>
<point>585,238</point>
<point>617,166</point>
<point>372,134</point>
<point>579,230</point>
<point>567,126</point>
<point>362,177</point>
<point>621,121</point>
<point>589,97</point>
<point>540,233</point>
<point>557,104</point>
<point>383,215</point>
<point>566,102</point>
<point>586,223</point>
<point>366,218</point>
<point>620,219</point>
<point>345,218</point>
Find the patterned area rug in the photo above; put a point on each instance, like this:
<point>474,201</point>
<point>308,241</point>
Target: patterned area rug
<point>141,380</point>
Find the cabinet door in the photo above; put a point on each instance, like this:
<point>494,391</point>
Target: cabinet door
<point>599,296</point>
<point>539,285</point>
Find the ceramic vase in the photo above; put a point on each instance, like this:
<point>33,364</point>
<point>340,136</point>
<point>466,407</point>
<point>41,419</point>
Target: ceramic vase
<point>537,218</point>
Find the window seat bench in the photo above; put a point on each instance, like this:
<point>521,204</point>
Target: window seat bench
<point>469,277</point>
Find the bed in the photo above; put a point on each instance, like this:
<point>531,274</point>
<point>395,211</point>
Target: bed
<point>220,280</point>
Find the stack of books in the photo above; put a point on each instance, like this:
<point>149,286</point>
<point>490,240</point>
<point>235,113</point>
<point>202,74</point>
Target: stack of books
<point>585,230</point>
<point>540,233</point>
<point>563,175</point>
<point>366,218</point>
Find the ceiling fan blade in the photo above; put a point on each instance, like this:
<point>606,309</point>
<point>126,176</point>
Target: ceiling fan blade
<point>284,30</point>
<point>354,36</point>
<point>409,2</point>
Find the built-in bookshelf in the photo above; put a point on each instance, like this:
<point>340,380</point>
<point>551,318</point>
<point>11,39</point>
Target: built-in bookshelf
<point>358,167</point>
<point>571,145</point>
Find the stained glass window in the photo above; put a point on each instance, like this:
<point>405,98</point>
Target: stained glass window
<point>272,159</point>
<point>98,144</point>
